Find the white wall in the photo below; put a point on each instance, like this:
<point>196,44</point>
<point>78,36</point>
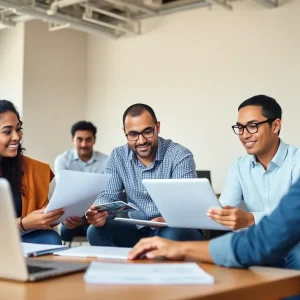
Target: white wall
<point>54,89</point>
<point>11,65</point>
<point>194,68</point>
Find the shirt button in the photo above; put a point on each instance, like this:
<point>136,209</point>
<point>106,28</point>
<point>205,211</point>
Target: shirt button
<point>145,192</point>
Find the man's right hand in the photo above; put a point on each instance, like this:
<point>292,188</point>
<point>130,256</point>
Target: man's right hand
<point>40,220</point>
<point>96,218</point>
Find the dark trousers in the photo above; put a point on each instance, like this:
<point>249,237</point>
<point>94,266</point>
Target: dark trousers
<point>42,236</point>
<point>67,235</point>
<point>120,234</point>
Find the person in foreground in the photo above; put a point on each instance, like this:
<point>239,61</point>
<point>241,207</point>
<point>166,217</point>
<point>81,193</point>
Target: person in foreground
<point>263,244</point>
<point>145,156</point>
<point>29,180</point>
<point>82,158</point>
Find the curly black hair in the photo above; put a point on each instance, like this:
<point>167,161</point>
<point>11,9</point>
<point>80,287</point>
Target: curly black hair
<point>11,166</point>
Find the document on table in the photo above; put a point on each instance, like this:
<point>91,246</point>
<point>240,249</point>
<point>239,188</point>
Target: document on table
<point>139,273</point>
<point>31,249</point>
<point>96,251</point>
<point>76,192</point>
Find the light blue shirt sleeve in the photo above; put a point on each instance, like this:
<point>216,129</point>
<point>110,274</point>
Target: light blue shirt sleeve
<point>296,172</point>
<point>221,251</point>
<point>59,164</point>
<point>232,194</point>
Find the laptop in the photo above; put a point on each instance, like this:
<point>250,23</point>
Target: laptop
<point>13,265</point>
<point>184,203</point>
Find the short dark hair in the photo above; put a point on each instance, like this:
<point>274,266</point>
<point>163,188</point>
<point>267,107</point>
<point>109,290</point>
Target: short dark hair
<point>269,107</point>
<point>84,125</point>
<point>137,109</point>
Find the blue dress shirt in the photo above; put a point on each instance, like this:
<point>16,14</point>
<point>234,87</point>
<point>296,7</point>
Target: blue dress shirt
<point>260,189</point>
<point>265,243</point>
<point>171,161</point>
<point>69,160</point>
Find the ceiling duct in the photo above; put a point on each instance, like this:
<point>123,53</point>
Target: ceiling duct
<point>110,17</point>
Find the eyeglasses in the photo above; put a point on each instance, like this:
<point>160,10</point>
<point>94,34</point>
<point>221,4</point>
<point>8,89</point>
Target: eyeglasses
<point>146,133</point>
<point>251,127</point>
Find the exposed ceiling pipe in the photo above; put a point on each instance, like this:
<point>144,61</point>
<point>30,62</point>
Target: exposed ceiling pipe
<point>112,15</point>
<point>40,14</point>
<point>61,3</point>
<point>108,25</point>
<point>131,6</point>
<point>175,9</point>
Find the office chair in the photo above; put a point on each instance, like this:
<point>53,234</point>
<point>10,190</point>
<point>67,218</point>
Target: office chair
<point>204,174</point>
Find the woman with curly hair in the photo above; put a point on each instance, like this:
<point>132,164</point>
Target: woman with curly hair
<point>29,180</point>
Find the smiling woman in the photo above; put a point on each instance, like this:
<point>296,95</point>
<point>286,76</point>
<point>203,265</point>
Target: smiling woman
<point>29,180</point>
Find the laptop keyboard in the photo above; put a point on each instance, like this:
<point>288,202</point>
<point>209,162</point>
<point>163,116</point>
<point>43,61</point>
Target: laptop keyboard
<point>35,269</point>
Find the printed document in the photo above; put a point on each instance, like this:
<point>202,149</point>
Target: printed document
<point>139,273</point>
<point>96,251</point>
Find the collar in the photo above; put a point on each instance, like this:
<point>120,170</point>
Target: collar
<point>279,157</point>
<point>75,156</point>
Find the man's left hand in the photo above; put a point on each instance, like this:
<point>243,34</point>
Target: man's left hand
<point>232,217</point>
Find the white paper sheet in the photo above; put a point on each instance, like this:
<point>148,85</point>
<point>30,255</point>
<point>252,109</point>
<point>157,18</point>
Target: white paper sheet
<point>168,273</point>
<point>76,192</point>
<point>31,249</point>
<point>94,251</point>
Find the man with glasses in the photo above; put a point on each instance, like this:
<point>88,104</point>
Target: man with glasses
<point>146,155</point>
<point>261,178</point>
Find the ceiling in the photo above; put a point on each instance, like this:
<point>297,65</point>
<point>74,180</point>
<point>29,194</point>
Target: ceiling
<point>113,18</point>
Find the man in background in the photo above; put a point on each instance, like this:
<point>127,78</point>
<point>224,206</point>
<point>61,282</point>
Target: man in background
<point>82,158</point>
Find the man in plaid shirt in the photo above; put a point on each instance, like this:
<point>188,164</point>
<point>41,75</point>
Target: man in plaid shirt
<point>146,156</point>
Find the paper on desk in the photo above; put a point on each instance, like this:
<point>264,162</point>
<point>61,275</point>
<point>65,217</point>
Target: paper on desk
<point>127,273</point>
<point>31,249</point>
<point>96,251</point>
<point>76,192</point>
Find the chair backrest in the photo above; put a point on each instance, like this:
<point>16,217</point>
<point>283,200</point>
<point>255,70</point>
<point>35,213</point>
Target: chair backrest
<point>204,174</point>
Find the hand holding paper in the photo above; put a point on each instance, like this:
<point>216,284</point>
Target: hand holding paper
<point>76,192</point>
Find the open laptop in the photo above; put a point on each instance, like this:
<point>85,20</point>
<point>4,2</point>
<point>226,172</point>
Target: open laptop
<point>184,203</point>
<point>12,263</point>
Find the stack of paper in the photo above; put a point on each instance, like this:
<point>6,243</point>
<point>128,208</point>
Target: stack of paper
<point>31,249</point>
<point>94,251</point>
<point>169,273</point>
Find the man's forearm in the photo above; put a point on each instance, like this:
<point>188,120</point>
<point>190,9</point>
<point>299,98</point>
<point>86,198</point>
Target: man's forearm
<point>197,251</point>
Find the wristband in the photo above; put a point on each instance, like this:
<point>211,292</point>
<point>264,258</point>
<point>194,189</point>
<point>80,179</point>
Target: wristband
<point>22,224</point>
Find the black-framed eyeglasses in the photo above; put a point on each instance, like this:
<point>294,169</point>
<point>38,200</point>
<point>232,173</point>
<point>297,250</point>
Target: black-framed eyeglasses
<point>146,133</point>
<point>251,127</point>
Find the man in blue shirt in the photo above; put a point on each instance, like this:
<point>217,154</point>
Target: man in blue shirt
<point>261,178</point>
<point>146,156</point>
<point>82,158</point>
<point>274,236</point>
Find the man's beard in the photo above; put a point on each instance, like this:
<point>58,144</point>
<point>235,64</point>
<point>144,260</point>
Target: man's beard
<point>144,154</point>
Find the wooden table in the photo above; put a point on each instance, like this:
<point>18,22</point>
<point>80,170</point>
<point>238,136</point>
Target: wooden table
<point>257,283</point>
